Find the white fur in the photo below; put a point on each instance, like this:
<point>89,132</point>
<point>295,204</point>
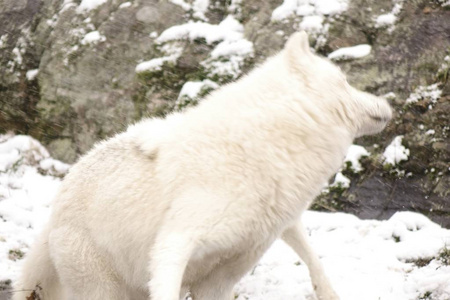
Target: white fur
<point>191,202</point>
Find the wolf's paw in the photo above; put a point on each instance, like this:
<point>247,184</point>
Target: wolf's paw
<point>326,294</point>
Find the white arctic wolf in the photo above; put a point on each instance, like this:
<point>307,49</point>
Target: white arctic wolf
<point>191,202</point>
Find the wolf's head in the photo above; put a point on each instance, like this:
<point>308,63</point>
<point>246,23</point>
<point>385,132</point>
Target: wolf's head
<point>361,112</point>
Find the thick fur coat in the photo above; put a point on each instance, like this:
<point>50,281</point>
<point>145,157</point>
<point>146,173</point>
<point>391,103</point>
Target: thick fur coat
<point>192,201</point>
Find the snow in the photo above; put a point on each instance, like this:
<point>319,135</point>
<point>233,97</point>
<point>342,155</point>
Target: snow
<point>18,55</point>
<point>235,6</point>
<point>350,52</point>
<point>312,23</point>
<point>226,59</point>
<point>193,91</point>
<point>308,7</point>
<point>125,4</point>
<point>52,22</point>
<point>395,152</point>
<point>364,259</point>
<point>305,10</point>
<point>330,7</point>
<point>87,5</point>
<point>385,20</point>
<point>390,96</point>
<point>192,88</point>
<point>351,160</point>
<point>198,7</point>
<point>66,5</point>
<point>285,10</point>
<point>173,52</point>
<point>25,196</point>
<point>154,64</point>
<point>354,154</point>
<point>31,74</point>
<point>443,69</point>
<point>229,29</point>
<point>341,181</point>
<point>3,40</point>
<point>431,92</point>
<point>316,15</point>
<point>182,3</point>
<point>231,67</point>
<point>93,37</point>
<point>389,19</point>
<point>226,48</point>
<point>444,2</point>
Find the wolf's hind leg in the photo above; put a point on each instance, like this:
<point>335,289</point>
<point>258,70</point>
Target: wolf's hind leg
<point>219,283</point>
<point>84,271</point>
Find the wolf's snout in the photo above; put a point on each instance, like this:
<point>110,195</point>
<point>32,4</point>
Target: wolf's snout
<point>381,119</point>
<point>386,112</point>
<point>383,111</point>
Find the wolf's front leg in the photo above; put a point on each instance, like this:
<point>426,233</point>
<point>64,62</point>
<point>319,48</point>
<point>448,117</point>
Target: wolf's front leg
<point>168,260</point>
<point>295,237</point>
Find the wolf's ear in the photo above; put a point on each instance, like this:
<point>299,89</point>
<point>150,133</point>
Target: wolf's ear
<point>297,50</point>
<point>298,44</point>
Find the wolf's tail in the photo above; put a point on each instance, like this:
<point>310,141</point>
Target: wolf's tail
<point>39,279</point>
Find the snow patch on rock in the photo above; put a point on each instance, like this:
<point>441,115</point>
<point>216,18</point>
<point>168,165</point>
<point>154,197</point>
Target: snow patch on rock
<point>191,89</point>
<point>431,92</point>
<point>315,14</point>
<point>228,56</point>
<point>87,5</point>
<point>308,7</point>
<point>173,51</point>
<point>354,155</point>
<point>395,152</point>
<point>31,74</point>
<point>93,37</point>
<point>29,179</point>
<point>125,5</point>
<point>388,20</point>
<point>197,7</point>
<point>350,52</point>
<point>192,92</point>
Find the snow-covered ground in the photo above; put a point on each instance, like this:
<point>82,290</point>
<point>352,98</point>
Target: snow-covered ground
<point>403,258</point>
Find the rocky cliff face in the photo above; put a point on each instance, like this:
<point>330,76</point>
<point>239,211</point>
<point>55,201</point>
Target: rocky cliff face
<point>74,72</point>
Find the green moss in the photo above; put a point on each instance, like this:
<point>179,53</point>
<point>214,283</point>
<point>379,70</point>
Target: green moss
<point>199,75</point>
<point>421,262</point>
<point>165,83</point>
<point>185,102</point>
<point>328,202</point>
<point>348,167</point>
<point>443,75</point>
<point>426,296</point>
<point>15,254</point>
<point>337,189</point>
<point>427,66</point>
<point>444,256</point>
